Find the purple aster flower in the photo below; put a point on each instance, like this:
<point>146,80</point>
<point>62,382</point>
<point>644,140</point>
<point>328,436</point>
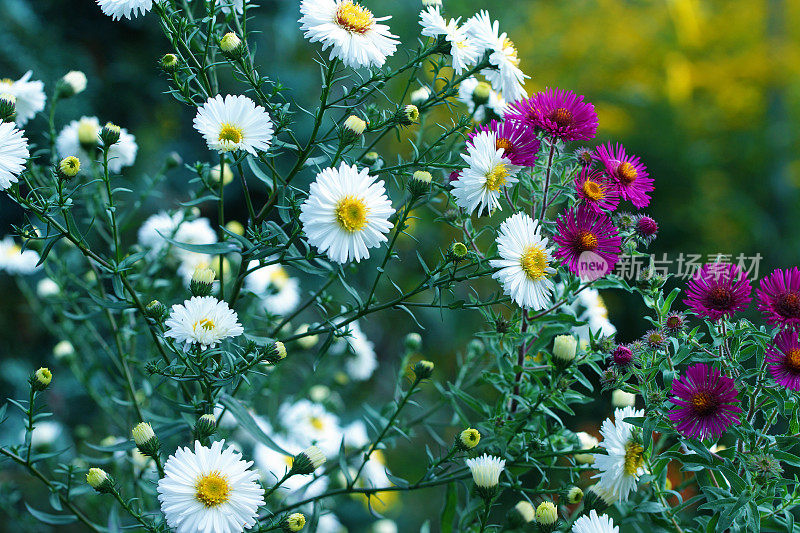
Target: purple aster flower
<point>718,290</point>
<point>784,359</point>
<point>706,402</point>
<point>519,143</point>
<point>622,356</point>
<point>646,228</point>
<point>628,173</point>
<point>675,322</point>
<point>596,190</point>
<point>779,298</point>
<point>588,242</point>
<point>560,113</point>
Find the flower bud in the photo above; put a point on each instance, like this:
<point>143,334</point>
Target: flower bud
<point>620,398</point>
<point>546,515</point>
<point>352,129</point>
<point>63,350</point>
<point>277,352</point>
<point>413,342</point>
<point>156,310</point>
<point>370,158</point>
<point>407,115</point>
<point>99,480</point>
<point>574,495</point>
<point>231,46</point>
<point>564,348</point>
<point>226,175</point>
<point>168,63</point>
<point>70,84</point>
<point>458,252</point>
<point>110,134</point>
<point>173,160</point>
<point>481,93</point>
<point>87,134</point>
<point>598,498</point>
<point>202,281</point>
<point>306,341</point>
<point>468,439</point>
<point>205,426</point>
<point>420,183</point>
<point>235,227</point>
<point>423,369</point>
<point>585,442</point>
<point>420,96</point>
<point>521,514</point>
<point>293,522</point>
<point>8,108</point>
<point>145,439</point>
<point>307,461</point>
<point>41,379</point>
<point>69,167</point>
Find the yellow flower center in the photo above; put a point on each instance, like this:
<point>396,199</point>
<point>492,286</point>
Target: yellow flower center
<point>562,116</point>
<point>533,262</point>
<point>634,458</point>
<point>511,51</point>
<point>505,144</point>
<point>496,178</point>
<point>212,489</point>
<point>13,250</point>
<point>230,135</point>
<point>87,132</point>
<point>289,460</point>
<point>587,241</point>
<point>353,17</point>
<point>593,190</point>
<point>206,324</point>
<point>279,277</point>
<point>316,423</point>
<point>627,173</point>
<point>703,403</point>
<point>351,214</point>
<point>793,359</point>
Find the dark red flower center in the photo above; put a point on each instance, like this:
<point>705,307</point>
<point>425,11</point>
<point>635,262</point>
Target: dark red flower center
<point>562,117</point>
<point>586,242</point>
<point>788,305</point>
<point>704,403</point>
<point>674,322</point>
<point>627,173</point>
<point>793,360</point>
<point>719,298</point>
<point>506,145</point>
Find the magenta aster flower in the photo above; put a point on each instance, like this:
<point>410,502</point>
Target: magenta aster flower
<point>779,298</point>
<point>628,172</point>
<point>718,290</point>
<point>519,143</point>
<point>587,240</point>
<point>596,190</point>
<point>646,228</point>
<point>784,359</point>
<point>706,402</point>
<point>560,113</point>
<point>622,356</point>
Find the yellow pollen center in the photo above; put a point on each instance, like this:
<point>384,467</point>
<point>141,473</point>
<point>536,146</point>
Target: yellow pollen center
<point>511,51</point>
<point>279,278</point>
<point>351,214</point>
<point>634,458</point>
<point>562,117</point>
<point>316,423</point>
<point>230,134</point>
<point>627,173</point>
<point>496,178</point>
<point>212,489</point>
<point>703,403</point>
<point>533,262</point>
<point>587,241</point>
<point>206,324</point>
<point>289,460</point>
<point>593,190</point>
<point>353,17</point>
<point>13,250</point>
<point>505,144</point>
<point>7,81</point>
<point>793,359</point>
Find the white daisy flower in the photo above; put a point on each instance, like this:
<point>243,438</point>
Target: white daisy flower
<point>624,463</point>
<point>464,50</point>
<point>486,470</point>
<point>346,213</point>
<point>507,78</point>
<point>587,442</point>
<point>525,264</point>
<point>362,362</point>
<point>13,154</point>
<point>594,523</point>
<point>116,9</point>
<point>15,261</point>
<point>350,30</point>
<point>494,102</point>
<point>28,95</point>
<point>202,320</point>
<point>152,232</point>
<point>279,294</point>
<point>328,523</point>
<point>81,138</point>
<point>481,184</point>
<point>590,307</point>
<point>310,423</point>
<point>234,123</point>
<point>47,288</point>
<point>209,490</point>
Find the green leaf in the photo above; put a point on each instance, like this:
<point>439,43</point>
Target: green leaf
<point>249,424</point>
<point>52,519</point>
<point>449,509</point>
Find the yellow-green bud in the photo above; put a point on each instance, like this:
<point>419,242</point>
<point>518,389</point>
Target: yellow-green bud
<point>110,134</point>
<point>423,369</point>
<point>564,348</point>
<point>235,227</point>
<point>202,281</point>
<point>420,183</point>
<point>69,167</point>
<point>521,514</point>
<point>468,439</point>
<point>70,84</point>
<point>41,379</point>
<point>156,310</point>
<point>574,495</point>
<point>546,514</point>
<point>458,251</point>
<point>481,93</point>
<point>370,158</point>
<point>307,461</point>
<point>293,522</point>
<point>355,125</point>
<point>145,439</point>
<point>231,45</point>
<point>408,115</point>
<point>99,480</point>
<point>168,63</point>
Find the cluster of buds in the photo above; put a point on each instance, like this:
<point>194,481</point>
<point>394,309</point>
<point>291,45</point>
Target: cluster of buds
<point>145,439</point>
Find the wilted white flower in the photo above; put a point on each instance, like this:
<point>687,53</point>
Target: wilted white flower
<point>81,138</point>
<point>234,123</point>
<point>624,463</point>
<point>13,154</point>
<point>29,97</point>
<point>202,320</point>
<point>349,29</point>
<point>116,9</point>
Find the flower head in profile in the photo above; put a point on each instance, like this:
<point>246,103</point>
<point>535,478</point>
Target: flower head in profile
<point>518,142</point>
<point>706,402</point>
<point>595,190</point>
<point>623,463</point>
<point>346,213</point>
<point>628,172</point>
<point>560,113</point>
<point>586,236</point>
<point>783,358</point>
<point>29,97</point>
<point>350,30</point>
<point>718,290</point>
<point>13,154</point>
<point>505,74</point>
<point>116,9</point>
<point>464,50</point>
<point>209,490</point>
<point>234,123</point>
<point>481,184</point>
<point>81,138</point>
<point>779,297</point>
<point>594,523</point>
<point>202,320</point>
<point>525,262</point>
<point>486,471</point>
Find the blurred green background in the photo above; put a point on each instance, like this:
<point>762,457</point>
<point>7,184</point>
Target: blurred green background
<point>706,92</point>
